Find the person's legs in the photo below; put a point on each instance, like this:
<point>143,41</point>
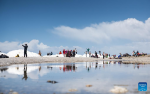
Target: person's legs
<point>26,54</point>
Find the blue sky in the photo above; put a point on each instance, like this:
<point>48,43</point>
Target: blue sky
<point>56,24</point>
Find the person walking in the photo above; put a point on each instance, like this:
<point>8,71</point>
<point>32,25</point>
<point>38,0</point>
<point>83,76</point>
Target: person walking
<point>25,49</point>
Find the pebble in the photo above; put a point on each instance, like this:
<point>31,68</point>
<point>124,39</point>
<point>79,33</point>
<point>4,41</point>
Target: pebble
<point>88,85</point>
<point>73,90</point>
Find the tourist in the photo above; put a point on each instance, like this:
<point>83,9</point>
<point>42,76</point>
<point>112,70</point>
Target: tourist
<point>64,52</point>
<point>86,53</point>
<point>133,53</point>
<point>96,55</point>
<point>51,53</point>
<point>138,53</point>
<point>25,49</point>
<point>100,53</point>
<point>71,53</point>
<point>103,55</point>
<point>88,50</point>
<point>90,54</point>
<point>40,53</point>
<point>109,55</point>
<point>60,52</point>
<point>67,53</point>
<point>75,51</point>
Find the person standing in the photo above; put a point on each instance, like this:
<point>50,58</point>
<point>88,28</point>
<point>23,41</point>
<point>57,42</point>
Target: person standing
<point>64,52</point>
<point>71,53</point>
<point>90,54</point>
<point>86,53</point>
<point>137,53</point>
<point>96,55</point>
<point>75,51</point>
<point>100,53</point>
<point>88,50</point>
<point>40,53</point>
<point>51,53</point>
<point>25,49</point>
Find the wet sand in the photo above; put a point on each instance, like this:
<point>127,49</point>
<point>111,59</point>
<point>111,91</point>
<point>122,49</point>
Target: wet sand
<point>31,60</point>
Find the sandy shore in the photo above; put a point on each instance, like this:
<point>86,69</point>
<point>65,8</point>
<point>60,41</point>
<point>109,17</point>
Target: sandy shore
<point>30,60</point>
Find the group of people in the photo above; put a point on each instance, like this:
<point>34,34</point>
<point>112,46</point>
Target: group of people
<point>138,54</point>
<point>135,53</point>
<point>51,53</point>
<point>69,53</point>
<point>96,54</point>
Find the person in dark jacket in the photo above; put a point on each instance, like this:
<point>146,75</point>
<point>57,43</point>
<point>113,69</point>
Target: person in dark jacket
<point>73,53</point>
<point>96,55</point>
<point>51,53</point>
<point>25,49</point>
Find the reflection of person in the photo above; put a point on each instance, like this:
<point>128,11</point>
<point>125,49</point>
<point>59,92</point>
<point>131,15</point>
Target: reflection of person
<point>96,65</point>
<point>39,68</point>
<point>25,72</point>
<point>25,49</point>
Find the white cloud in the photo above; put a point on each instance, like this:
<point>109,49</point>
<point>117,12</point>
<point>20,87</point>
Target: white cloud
<point>130,29</point>
<point>34,46</point>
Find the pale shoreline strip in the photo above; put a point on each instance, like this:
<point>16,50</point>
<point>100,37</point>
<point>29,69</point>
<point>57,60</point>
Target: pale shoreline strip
<point>31,60</point>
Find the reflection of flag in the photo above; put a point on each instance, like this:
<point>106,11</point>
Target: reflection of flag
<point>60,68</point>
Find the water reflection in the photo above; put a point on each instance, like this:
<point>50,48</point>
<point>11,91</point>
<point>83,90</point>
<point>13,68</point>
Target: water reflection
<point>25,72</point>
<point>3,69</point>
<point>102,75</point>
<point>69,67</point>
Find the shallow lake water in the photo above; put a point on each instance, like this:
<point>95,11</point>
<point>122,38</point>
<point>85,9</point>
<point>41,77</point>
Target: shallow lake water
<point>74,78</point>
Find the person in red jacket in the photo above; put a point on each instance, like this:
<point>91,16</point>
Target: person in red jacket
<point>60,52</point>
<point>64,53</point>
